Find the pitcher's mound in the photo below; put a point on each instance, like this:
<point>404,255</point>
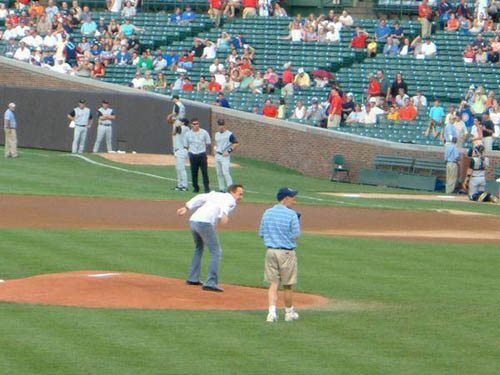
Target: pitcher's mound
<point>153,159</point>
<point>108,289</point>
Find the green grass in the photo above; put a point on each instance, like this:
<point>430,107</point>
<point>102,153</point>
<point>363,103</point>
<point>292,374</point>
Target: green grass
<point>56,173</point>
<point>439,309</point>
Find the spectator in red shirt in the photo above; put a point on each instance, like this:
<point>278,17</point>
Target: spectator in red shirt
<point>335,111</point>
<point>250,8</point>
<point>269,109</point>
<point>214,85</point>
<point>287,80</point>
<point>408,112</point>
<point>216,7</point>
<point>359,41</point>
<point>187,86</point>
<point>424,17</point>
<point>374,88</point>
<point>98,70</point>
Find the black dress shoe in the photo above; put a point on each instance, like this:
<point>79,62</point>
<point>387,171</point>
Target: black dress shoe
<point>196,190</point>
<point>212,289</point>
<point>193,282</point>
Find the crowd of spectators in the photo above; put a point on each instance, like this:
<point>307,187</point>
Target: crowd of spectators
<point>483,51</point>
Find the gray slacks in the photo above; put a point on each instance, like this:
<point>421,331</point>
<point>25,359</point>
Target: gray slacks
<point>204,234</point>
<point>103,132</point>
<point>222,169</point>
<point>79,138</point>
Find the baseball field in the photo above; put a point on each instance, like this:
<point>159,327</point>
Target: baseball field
<point>93,257</point>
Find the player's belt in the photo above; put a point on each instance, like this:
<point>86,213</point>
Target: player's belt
<point>280,248</point>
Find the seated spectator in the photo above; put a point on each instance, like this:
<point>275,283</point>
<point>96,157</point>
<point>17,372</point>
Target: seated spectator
<point>382,31</point>
<point>176,17</point>
<point>401,97</point>
<point>172,60</point>
<point>107,56</point>
<point>409,111</point>
<point>476,132</point>
<point>301,80</point>
<point>145,61</point>
<point>346,19</point>
<point>62,67</point>
<point>333,34</point>
<point>257,84</point>
<point>214,85</point>
<point>469,54</point>
<point>32,40</point>
<point>480,42</point>
<point>187,85</point>
<point>229,84</point>
<point>256,110</point>
<point>436,115</point>
<point>83,68</point>
<point>249,8</point>
<point>371,48</point>
<point>372,112</point>
<point>452,24</point>
<point>11,48</point>
<point>128,29</point>
<point>393,113</point>
<point>22,53</point>
<point>419,100</point>
<point>75,9</point>
<point>315,112</point>
<point>224,42</point>
<point>279,11</point>
<point>299,112</point>
<point>159,63</point>
<point>9,33</point>
<point>220,77</point>
<point>128,10</point>
<point>428,49</point>
<point>123,57</point>
<point>89,27</point>
<point>186,61</point>
<point>490,100</point>
<point>98,70</point>
<point>296,33</point>
<point>391,47</point>
<point>179,83</point>
<point>270,80</point>
<point>216,66</point>
<point>406,48</point>
<point>210,50</point>
<point>160,82</point>
<point>269,109</point>
<point>356,116</point>
<point>239,41</point>
<point>481,56</point>
<point>36,9</point>
<point>3,12</point>
<point>188,15</point>
<point>101,26</point>
<point>465,24</point>
<point>221,101</point>
<point>310,34</point>
<point>202,84</point>
<point>133,45</point>
<point>359,40</point>
<point>148,82</point>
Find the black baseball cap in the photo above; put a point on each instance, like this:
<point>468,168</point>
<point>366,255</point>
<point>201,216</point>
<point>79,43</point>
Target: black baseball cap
<point>285,192</point>
<point>105,101</point>
<point>81,101</point>
<point>220,122</point>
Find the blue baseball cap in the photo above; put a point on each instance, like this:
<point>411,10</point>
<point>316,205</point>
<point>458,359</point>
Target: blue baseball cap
<point>286,192</point>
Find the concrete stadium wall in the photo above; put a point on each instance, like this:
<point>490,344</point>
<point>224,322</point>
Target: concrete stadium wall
<point>300,147</point>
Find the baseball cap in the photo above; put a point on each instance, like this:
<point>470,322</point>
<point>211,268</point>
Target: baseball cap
<point>285,192</point>
<point>373,100</point>
<point>301,70</point>
<point>314,100</point>
<point>12,104</point>
<point>350,94</point>
<point>105,101</point>
<point>220,122</point>
<point>81,101</point>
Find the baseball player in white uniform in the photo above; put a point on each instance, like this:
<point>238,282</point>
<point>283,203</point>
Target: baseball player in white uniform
<point>179,130</point>
<point>82,116</point>
<point>105,117</point>
<point>225,143</point>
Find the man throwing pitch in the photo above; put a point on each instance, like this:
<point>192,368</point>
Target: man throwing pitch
<point>280,228</point>
<point>211,208</point>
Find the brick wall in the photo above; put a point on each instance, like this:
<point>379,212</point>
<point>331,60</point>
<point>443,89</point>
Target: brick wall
<point>310,150</point>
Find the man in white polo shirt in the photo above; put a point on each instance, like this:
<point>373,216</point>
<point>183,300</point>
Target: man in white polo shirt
<point>211,209</point>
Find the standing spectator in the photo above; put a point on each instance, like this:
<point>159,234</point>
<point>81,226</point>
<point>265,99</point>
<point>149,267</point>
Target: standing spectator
<point>225,144</point>
<point>265,8</point>
<point>105,117</point>
<point>436,115</point>
<point>452,157</point>
<point>449,130</point>
<point>269,109</point>
<point>347,106</point>
<point>359,40</point>
<point>398,84</point>
<point>279,228</point>
<point>385,85</point>
<point>128,10</point>
<point>488,131</point>
<point>249,8</point>
<point>197,140</point>
<point>287,80</point>
<point>374,89</point>
<point>335,111</point>
<point>216,7</point>
<point>10,128</point>
<point>425,17</point>
<point>82,117</point>
<point>346,19</point>
<point>281,109</point>
<point>444,10</point>
<point>461,131</point>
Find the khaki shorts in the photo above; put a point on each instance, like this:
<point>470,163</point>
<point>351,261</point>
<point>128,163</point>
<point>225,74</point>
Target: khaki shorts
<point>281,267</point>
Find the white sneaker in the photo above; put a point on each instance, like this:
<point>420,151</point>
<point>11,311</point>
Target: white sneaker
<point>271,318</point>
<point>291,316</point>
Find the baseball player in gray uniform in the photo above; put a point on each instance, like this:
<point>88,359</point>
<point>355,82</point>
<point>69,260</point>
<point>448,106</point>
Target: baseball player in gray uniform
<point>105,117</point>
<point>82,116</point>
<point>225,143</point>
<point>179,141</point>
<point>476,176</point>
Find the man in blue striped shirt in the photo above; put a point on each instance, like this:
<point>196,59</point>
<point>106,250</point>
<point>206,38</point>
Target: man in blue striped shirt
<point>280,228</point>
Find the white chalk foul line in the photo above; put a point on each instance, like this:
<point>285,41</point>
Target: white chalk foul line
<point>122,169</point>
<point>104,275</point>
